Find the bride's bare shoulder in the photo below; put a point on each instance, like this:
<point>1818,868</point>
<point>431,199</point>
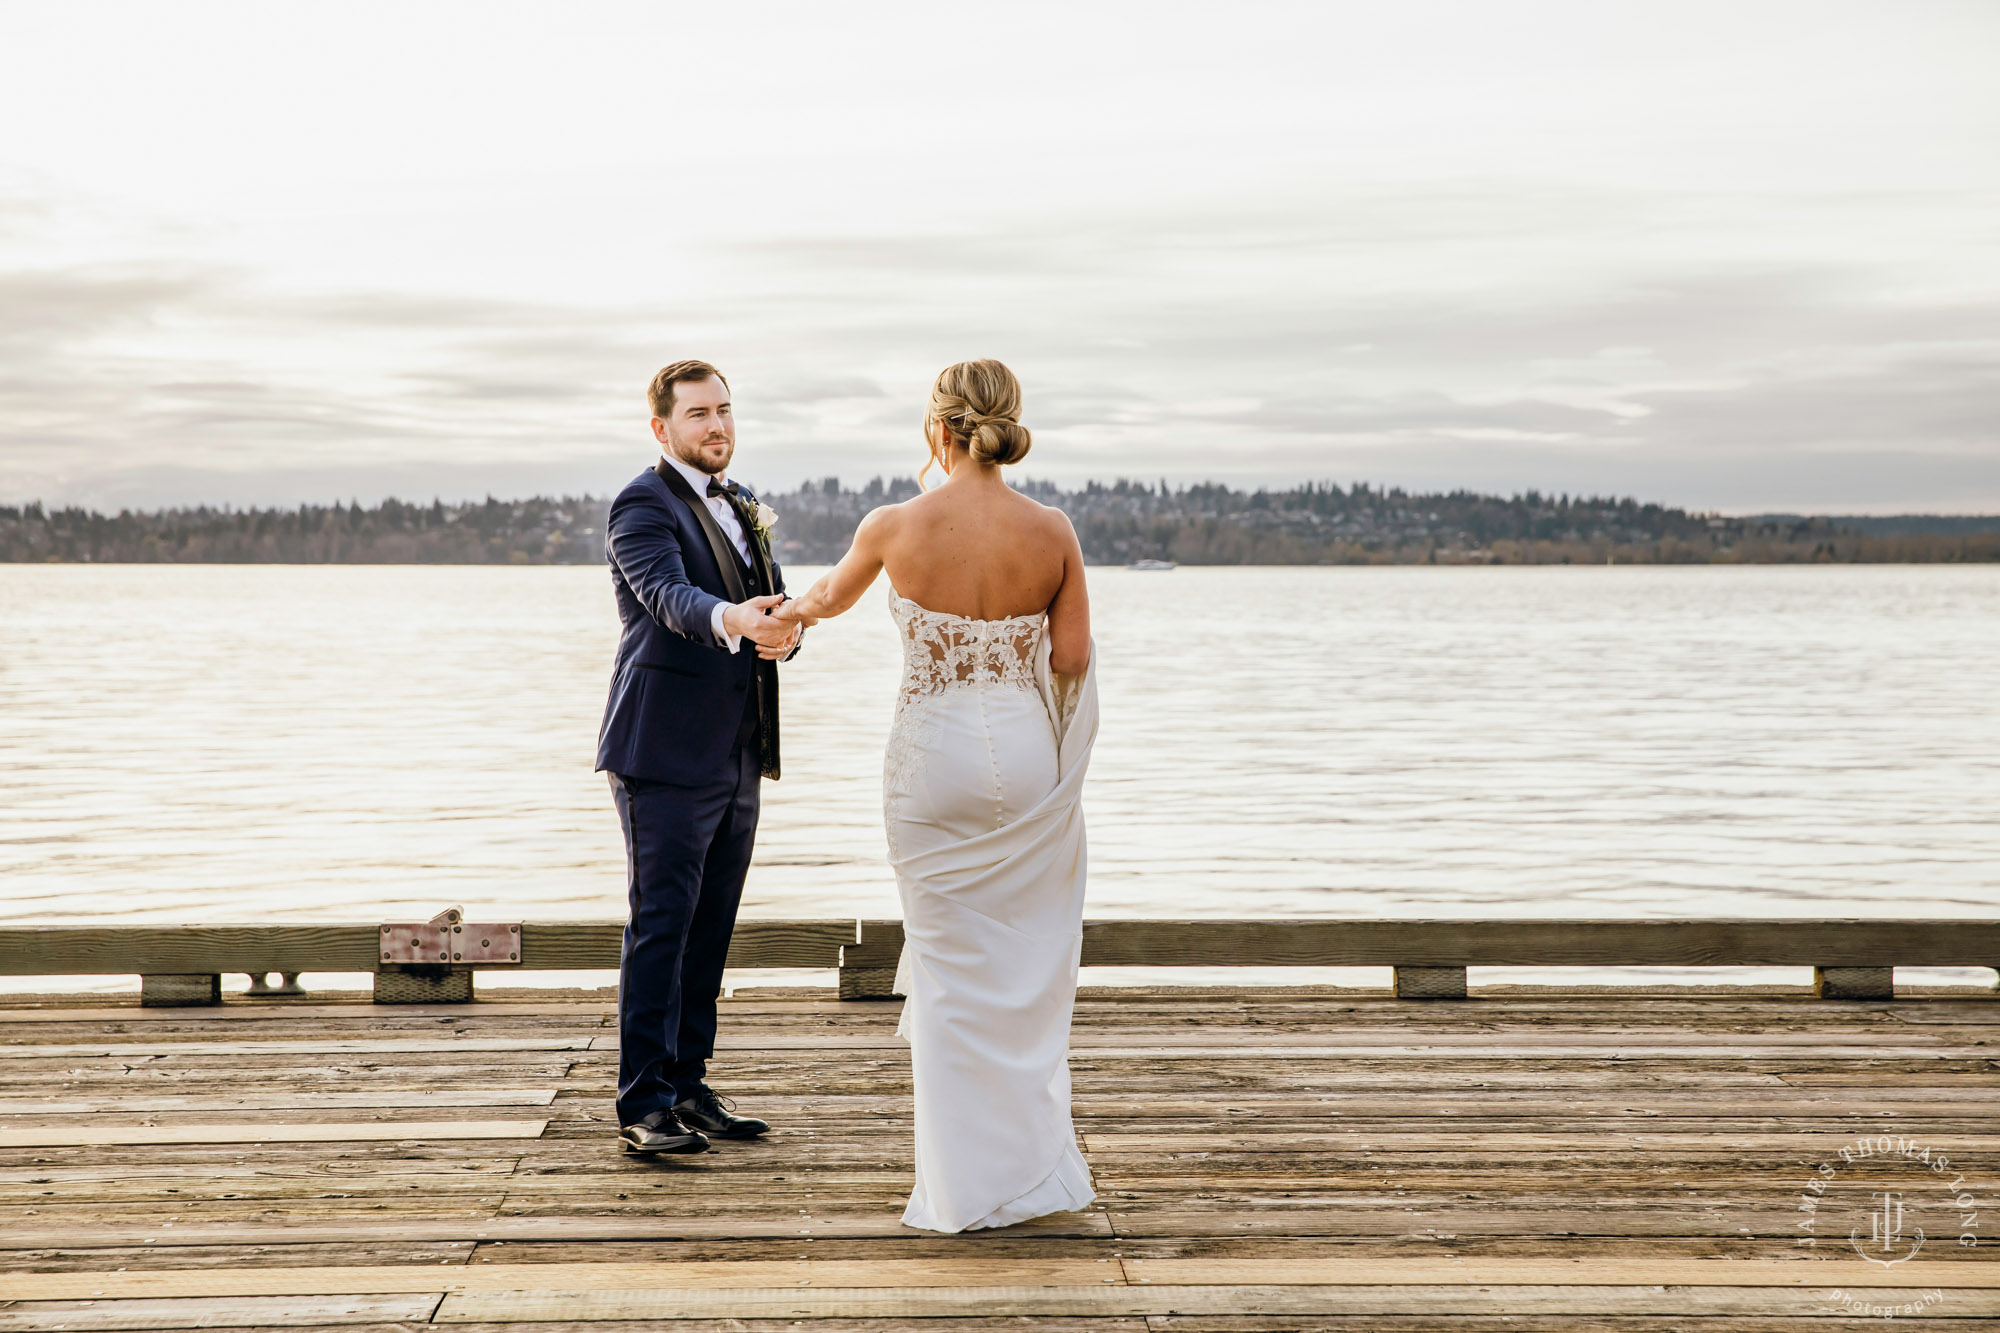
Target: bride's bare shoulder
<point>880,524</point>
<point>1053,518</point>
<point>924,508</point>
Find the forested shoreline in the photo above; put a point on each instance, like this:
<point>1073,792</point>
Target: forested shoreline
<point>1119,522</point>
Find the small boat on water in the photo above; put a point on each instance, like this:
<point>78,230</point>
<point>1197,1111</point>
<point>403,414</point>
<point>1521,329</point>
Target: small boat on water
<point>1151,564</point>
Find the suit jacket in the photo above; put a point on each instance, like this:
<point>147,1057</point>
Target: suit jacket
<point>678,698</point>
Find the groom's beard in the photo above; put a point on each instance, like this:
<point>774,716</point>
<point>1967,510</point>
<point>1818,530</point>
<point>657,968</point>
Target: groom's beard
<point>699,457</point>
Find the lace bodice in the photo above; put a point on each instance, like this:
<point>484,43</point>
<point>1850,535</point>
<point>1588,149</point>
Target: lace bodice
<point>943,652</point>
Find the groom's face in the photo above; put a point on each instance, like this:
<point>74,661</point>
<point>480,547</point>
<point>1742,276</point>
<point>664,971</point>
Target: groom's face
<point>701,430</point>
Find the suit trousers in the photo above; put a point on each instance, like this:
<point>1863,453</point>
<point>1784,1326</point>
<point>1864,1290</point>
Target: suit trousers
<point>687,850</point>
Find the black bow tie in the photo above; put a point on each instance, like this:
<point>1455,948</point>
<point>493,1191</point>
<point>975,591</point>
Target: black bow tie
<point>734,498</point>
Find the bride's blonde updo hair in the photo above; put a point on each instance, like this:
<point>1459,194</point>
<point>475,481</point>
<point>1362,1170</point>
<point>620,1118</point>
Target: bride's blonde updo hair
<point>979,403</point>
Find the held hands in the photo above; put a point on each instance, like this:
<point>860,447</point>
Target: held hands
<point>753,620</point>
<point>790,613</point>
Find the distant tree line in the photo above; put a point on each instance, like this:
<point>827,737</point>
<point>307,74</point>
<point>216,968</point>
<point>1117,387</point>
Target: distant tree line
<point>540,531</point>
<point>1207,524</point>
<point>1910,525</point>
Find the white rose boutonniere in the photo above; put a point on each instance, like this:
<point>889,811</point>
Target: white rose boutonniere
<point>764,520</point>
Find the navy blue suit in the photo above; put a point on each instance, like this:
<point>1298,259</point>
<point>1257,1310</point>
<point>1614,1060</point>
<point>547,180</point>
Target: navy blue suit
<point>689,730</point>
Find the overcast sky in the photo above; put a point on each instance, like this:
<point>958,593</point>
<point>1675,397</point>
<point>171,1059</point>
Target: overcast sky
<point>1735,256</point>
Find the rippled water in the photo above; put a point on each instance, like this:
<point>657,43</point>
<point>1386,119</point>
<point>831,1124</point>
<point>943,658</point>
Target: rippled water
<point>184,743</point>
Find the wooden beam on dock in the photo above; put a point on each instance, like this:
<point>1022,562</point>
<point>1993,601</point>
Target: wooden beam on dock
<point>1445,942</point>
<point>1853,958</point>
<point>194,950</point>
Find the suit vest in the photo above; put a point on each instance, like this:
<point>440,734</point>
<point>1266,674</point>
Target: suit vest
<point>760,706</point>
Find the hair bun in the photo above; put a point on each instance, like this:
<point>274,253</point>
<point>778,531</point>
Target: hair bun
<point>1000,441</point>
<point>979,404</point>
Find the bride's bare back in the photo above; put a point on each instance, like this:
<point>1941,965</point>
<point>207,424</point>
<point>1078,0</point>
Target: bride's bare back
<point>973,547</point>
<point>982,552</point>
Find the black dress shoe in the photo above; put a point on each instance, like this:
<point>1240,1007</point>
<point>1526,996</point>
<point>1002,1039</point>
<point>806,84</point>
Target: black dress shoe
<point>662,1132</point>
<point>706,1112</point>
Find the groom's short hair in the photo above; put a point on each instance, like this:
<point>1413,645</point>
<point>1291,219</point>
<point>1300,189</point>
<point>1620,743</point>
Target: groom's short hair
<point>661,395</point>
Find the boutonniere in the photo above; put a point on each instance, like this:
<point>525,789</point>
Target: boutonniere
<point>763,518</point>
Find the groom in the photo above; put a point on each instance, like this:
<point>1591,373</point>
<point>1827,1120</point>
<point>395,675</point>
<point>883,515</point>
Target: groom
<point>690,728</point>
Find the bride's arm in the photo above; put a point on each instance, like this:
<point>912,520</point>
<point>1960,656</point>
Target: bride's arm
<point>841,587</point>
<point>1069,613</point>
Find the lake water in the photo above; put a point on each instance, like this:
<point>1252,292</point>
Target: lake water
<point>190,743</point>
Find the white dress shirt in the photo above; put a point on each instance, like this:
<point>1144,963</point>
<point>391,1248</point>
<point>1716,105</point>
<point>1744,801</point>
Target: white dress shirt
<point>732,528</point>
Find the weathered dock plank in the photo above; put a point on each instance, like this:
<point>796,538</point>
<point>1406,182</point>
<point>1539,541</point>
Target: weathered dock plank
<point>1292,1159</point>
<point>1019,1272</point>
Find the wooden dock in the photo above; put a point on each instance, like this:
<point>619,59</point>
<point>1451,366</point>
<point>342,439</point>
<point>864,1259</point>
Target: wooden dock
<point>1266,1159</point>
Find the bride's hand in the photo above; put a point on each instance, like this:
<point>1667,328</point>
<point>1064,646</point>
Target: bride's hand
<point>788,611</point>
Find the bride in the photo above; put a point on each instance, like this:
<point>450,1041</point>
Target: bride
<point>980,795</point>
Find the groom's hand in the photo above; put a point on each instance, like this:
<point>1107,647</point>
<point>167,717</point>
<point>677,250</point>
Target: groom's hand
<point>783,650</point>
<point>751,620</point>
<point>785,614</point>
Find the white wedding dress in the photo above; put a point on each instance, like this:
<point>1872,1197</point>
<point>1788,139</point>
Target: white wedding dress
<point>981,792</point>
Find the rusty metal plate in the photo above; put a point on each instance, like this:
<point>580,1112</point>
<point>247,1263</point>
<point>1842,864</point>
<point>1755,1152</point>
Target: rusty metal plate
<point>497,942</point>
<point>415,942</point>
<point>450,940</point>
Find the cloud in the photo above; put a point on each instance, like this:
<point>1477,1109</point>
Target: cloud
<point>47,310</point>
<point>1499,336</point>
